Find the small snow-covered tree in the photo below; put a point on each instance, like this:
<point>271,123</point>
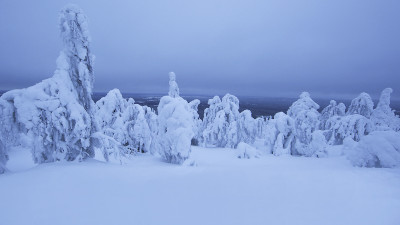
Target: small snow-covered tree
<point>3,158</point>
<point>196,121</point>
<point>283,139</point>
<point>122,126</point>
<point>333,109</point>
<point>54,117</point>
<point>247,129</point>
<point>306,121</point>
<point>175,125</point>
<point>220,126</point>
<point>362,105</point>
<point>383,116</point>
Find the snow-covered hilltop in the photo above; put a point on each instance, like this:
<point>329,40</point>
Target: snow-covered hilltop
<point>58,120</point>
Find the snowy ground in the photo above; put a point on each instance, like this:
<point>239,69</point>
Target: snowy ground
<point>221,189</point>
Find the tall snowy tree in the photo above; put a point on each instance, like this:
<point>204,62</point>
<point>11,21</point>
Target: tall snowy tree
<point>383,116</point>
<point>362,105</point>
<point>247,130</point>
<point>175,125</point>
<point>306,121</point>
<point>53,117</point>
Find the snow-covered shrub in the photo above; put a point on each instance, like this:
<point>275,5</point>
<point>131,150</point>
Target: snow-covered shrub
<point>220,126</point>
<point>284,134</point>
<point>124,123</point>
<point>53,117</point>
<point>318,145</point>
<point>333,109</point>
<point>247,129</point>
<point>196,121</point>
<point>378,149</point>
<point>246,151</point>
<point>3,158</point>
<point>383,116</point>
<point>362,105</point>
<point>261,124</point>
<point>340,127</point>
<point>306,121</point>
<point>175,126</point>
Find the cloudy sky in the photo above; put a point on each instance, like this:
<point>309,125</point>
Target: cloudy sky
<point>249,47</point>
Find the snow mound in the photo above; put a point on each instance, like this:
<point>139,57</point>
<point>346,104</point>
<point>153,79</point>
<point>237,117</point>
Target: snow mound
<point>378,149</point>
<point>246,151</point>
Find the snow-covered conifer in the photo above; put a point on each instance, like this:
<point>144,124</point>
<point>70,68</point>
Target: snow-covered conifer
<point>53,117</point>
<point>220,126</point>
<point>284,134</point>
<point>362,105</point>
<point>383,116</point>
<point>306,121</point>
<point>76,58</point>
<point>333,109</point>
<point>3,158</point>
<point>247,129</point>
<point>340,127</point>
<point>196,121</point>
<point>175,126</point>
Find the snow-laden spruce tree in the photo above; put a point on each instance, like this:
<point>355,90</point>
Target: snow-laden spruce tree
<point>175,125</point>
<point>196,122</point>
<point>282,140</point>
<point>333,109</point>
<point>53,117</point>
<point>122,126</point>
<point>362,105</point>
<point>220,123</point>
<point>383,116</point>
<point>247,130</point>
<point>350,126</point>
<point>3,158</point>
<point>306,121</point>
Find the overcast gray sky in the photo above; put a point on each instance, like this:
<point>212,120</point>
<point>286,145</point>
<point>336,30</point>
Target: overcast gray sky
<point>257,48</point>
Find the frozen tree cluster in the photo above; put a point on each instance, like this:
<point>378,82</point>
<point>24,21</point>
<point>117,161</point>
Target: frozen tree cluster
<point>58,120</point>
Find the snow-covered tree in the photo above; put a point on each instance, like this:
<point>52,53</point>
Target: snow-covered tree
<point>220,126</point>
<point>353,126</point>
<point>76,58</point>
<point>378,149</point>
<point>175,125</point>
<point>333,109</point>
<point>284,134</point>
<point>247,129</point>
<point>3,158</point>
<point>383,116</point>
<point>53,117</point>
<point>122,126</point>
<point>306,121</point>
<point>362,105</point>
<point>196,121</point>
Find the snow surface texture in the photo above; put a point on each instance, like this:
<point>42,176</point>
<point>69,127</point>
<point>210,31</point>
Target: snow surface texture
<point>176,125</point>
<point>221,189</point>
<point>53,117</point>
